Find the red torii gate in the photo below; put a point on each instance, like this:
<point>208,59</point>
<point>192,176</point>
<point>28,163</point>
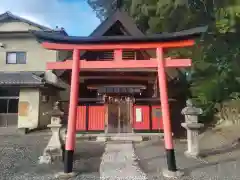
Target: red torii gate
<point>76,65</point>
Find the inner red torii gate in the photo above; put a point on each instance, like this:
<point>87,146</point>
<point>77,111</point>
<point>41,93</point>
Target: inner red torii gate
<point>77,65</point>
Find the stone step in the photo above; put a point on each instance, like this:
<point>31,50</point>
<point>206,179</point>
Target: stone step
<point>131,137</point>
<point>135,138</point>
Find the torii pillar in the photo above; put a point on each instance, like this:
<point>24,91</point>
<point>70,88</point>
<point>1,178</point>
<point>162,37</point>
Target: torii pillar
<point>170,155</point>
<point>71,128</point>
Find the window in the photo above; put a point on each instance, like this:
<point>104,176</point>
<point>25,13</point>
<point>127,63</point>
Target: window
<point>16,58</point>
<point>9,100</point>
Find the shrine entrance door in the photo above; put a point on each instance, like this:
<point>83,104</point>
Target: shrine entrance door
<point>119,117</point>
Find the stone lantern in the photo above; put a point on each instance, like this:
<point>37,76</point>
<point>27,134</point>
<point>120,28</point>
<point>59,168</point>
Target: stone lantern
<point>193,127</point>
<point>54,149</point>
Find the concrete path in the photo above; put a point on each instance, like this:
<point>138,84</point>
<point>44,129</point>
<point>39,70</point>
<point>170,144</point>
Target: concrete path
<point>119,162</point>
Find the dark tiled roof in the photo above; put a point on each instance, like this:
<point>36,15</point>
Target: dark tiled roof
<point>28,79</point>
<point>51,32</point>
<point>20,78</point>
<point>166,37</point>
<point>61,32</point>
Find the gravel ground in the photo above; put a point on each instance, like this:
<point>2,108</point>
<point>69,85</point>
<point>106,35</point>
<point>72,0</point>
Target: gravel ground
<point>119,162</point>
<point>19,159</point>
<point>220,166</point>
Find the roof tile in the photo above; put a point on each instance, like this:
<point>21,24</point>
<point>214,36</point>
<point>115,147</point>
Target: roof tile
<point>29,78</point>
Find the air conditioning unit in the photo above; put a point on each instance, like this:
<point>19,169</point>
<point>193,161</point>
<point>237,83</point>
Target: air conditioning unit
<point>2,45</point>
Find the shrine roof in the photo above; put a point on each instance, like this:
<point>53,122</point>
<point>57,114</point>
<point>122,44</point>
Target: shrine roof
<point>125,20</point>
<point>163,37</point>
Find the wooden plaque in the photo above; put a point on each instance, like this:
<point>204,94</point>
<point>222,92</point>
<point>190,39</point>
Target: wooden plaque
<point>138,114</point>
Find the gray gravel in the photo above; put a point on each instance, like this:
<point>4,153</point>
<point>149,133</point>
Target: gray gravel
<point>19,159</point>
<point>221,166</point>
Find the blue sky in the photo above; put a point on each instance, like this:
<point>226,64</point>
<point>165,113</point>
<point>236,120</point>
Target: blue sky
<point>74,15</point>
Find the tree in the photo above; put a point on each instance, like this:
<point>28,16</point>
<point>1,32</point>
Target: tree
<point>214,76</point>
